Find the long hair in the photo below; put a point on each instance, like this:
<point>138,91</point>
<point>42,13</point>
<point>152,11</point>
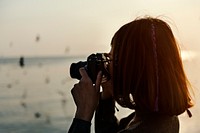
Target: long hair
<point>147,68</point>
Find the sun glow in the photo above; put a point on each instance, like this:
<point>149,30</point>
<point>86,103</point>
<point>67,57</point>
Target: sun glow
<point>188,55</point>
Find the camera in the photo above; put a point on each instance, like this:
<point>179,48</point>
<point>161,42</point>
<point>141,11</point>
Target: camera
<point>95,63</point>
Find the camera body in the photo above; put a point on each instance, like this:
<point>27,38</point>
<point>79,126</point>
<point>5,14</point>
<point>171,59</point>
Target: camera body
<point>95,63</point>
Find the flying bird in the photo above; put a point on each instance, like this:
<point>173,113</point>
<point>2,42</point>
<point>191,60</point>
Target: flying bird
<point>37,38</point>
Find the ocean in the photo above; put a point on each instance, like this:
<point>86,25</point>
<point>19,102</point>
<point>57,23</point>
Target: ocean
<point>36,98</point>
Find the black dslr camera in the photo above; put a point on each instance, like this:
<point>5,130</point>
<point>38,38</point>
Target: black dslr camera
<point>94,64</point>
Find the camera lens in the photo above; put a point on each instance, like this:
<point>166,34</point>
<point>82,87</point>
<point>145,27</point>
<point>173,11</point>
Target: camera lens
<point>74,69</point>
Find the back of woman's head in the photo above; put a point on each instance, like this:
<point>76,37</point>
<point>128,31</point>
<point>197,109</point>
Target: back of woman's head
<point>148,68</point>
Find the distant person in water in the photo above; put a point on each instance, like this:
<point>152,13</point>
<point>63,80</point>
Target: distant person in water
<point>21,61</point>
<point>147,76</point>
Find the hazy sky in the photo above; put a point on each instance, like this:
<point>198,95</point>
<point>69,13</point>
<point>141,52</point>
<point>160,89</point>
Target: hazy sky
<point>76,27</point>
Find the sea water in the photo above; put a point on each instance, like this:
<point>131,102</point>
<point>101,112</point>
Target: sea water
<point>36,98</point>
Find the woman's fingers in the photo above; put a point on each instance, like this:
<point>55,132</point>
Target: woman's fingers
<point>86,95</point>
<point>83,73</point>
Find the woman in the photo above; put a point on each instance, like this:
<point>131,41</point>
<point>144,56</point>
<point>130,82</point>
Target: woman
<point>146,75</point>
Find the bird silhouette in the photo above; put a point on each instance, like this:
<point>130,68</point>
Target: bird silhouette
<point>37,38</point>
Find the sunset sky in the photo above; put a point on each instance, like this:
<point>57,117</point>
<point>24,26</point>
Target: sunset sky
<point>81,27</point>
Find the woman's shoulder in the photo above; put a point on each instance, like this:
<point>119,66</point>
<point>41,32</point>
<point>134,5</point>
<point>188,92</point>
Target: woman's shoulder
<point>154,124</point>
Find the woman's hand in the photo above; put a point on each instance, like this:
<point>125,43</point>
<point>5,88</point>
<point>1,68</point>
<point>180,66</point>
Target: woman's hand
<point>86,95</point>
<point>107,90</point>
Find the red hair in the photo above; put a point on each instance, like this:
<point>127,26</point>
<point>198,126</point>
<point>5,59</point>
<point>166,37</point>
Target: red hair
<point>134,68</point>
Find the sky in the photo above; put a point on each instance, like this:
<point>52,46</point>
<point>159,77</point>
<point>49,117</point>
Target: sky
<point>82,27</point>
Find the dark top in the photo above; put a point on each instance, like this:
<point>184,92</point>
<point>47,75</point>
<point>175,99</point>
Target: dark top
<point>106,122</point>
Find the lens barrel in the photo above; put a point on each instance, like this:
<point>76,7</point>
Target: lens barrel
<point>74,69</point>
